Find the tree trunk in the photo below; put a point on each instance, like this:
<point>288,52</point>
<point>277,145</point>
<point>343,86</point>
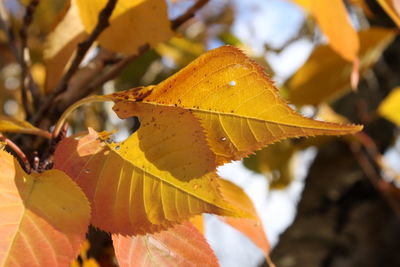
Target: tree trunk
<point>342,220</point>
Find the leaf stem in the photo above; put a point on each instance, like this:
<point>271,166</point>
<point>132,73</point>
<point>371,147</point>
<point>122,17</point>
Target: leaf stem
<point>70,109</point>
<point>27,81</point>
<point>188,14</point>
<point>18,151</point>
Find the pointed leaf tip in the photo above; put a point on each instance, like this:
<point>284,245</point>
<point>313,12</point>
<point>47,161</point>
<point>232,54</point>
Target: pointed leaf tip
<point>235,101</point>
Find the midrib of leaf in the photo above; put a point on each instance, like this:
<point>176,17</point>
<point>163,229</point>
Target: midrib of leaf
<point>219,113</point>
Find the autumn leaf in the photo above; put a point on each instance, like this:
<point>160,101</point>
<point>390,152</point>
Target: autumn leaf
<point>9,124</point>
<point>252,228</point>
<point>44,216</point>
<point>390,107</point>
<point>181,245</point>
<point>392,8</point>
<point>149,181</point>
<point>334,22</point>
<point>60,46</point>
<point>142,22</point>
<point>236,103</point>
<point>326,76</point>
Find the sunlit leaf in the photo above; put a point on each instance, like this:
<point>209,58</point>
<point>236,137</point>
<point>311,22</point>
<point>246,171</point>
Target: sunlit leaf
<point>198,222</point>
<point>182,245</point>
<point>237,104</point>
<point>326,76</point>
<point>60,46</point>
<point>9,124</point>
<point>334,22</point>
<point>134,23</point>
<point>149,181</point>
<point>44,216</point>
<point>390,107</point>
<point>392,8</point>
<point>252,228</point>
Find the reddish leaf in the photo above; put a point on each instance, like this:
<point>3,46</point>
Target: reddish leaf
<point>44,216</point>
<point>182,245</point>
<point>252,228</point>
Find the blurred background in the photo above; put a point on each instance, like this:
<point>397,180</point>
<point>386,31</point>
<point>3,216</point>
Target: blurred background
<point>323,201</point>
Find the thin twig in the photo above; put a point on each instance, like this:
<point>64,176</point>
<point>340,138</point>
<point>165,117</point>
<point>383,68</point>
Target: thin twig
<point>17,151</point>
<point>373,151</point>
<point>390,193</point>
<point>4,24</point>
<point>83,47</point>
<point>188,14</point>
<point>113,72</point>
<point>27,81</point>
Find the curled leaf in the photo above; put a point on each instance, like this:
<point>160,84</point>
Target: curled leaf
<point>9,124</point>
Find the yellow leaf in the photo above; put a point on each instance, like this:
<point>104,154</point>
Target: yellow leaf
<point>392,8</point>
<point>236,103</point>
<point>60,46</point>
<point>134,23</point>
<point>9,124</point>
<point>149,181</point>
<point>390,107</point>
<point>326,76</point>
<point>46,13</point>
<point>44,216</point>
<point>332,17</point>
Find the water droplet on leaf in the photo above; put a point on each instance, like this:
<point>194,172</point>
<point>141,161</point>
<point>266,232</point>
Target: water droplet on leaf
<point>117,147</point>
<point>232,83</point>
<point>223,139</point>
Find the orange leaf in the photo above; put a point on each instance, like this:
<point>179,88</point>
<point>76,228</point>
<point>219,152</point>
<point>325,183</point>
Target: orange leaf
<point>236,103</point>
<point>326,76</point>
<point>392,8</point>
<point>182,245</point>
<point>252,228</point>
<point>60,46</point>
<point>140,186</point>
<point>44,216</point>
<point>332,17</point>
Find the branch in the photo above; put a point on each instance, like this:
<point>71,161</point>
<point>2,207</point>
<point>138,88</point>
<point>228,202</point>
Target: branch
<point>17,151</point>
<point>188,14</point>
<point>4,18</point>
<point>389,192</point>
<point>83,47</point>
<point>24,61</point>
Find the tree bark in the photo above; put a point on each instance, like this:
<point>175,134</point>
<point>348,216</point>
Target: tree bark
<point>342,220</point>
